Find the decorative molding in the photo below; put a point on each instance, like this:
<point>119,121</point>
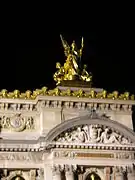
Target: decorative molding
<point>125,155</point>
<point>34,157</point>
<point>75,154</point>
<point>80,103</point>
<point>85,103</point>
<point>94,155</point>
<point>8,105</point>
<point>20,147</point>
<point>66,154</point>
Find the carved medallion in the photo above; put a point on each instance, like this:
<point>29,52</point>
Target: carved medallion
<point>17,123</point>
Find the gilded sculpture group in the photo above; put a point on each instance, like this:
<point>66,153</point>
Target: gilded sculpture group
<point>71,70</point>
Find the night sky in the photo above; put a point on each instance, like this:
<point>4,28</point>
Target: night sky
<point>109,56</point>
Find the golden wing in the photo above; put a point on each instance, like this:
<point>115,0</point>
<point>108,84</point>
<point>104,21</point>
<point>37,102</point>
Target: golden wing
<point>82,43</point>
<point>81,50</point>
<point>65,45</point>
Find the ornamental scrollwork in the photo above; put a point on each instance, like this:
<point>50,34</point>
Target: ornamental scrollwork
<point>70,154</point>
<point>125,155</point>
<point>93,134</point>
<point>16,122</point>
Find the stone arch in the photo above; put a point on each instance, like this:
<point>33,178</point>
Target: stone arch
<point>93,170</point>
<point>17,173</point>
<point>90,119</point>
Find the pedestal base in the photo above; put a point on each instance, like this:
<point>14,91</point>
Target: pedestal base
<point>76,83</point>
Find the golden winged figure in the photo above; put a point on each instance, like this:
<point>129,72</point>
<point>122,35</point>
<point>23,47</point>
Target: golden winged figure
<point>71,68</point>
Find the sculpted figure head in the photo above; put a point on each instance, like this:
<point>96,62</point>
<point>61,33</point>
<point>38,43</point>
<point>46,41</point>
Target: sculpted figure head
<point>16,93</point>
<point>58,65</point>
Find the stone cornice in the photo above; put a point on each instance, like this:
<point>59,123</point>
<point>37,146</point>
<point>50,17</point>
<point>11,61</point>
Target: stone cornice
<point>16,147</point>
<point>66,98</point>
<point>66,102</point>
<point>84,99</point>
<point>92,146</point>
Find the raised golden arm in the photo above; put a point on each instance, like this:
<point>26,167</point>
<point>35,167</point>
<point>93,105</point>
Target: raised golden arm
<point>65,46</point>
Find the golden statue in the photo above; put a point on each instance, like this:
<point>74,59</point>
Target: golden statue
<point>92,177</point>
<point>3,93</point>
<point>71,69</point>
<point>59,75</point>
<point>85,76</point>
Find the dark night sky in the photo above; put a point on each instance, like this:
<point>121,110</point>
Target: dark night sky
<point>109,55</point>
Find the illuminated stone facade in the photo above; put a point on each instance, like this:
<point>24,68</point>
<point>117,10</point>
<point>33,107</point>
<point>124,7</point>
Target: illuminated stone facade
<point>67,137</point>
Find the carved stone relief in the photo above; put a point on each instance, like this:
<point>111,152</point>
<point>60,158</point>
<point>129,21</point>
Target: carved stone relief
<point>17,122</point>
<point>75,154</point>
<point>125,155</point>
<point>35,156</point>
<point>93,134</point>
<point>70,154</point>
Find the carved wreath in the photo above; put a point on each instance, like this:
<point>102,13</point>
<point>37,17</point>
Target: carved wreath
<point>17,123</point>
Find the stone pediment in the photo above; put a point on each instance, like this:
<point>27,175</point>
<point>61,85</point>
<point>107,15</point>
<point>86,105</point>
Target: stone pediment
<point>93,134</point>
<point>92,129</point>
